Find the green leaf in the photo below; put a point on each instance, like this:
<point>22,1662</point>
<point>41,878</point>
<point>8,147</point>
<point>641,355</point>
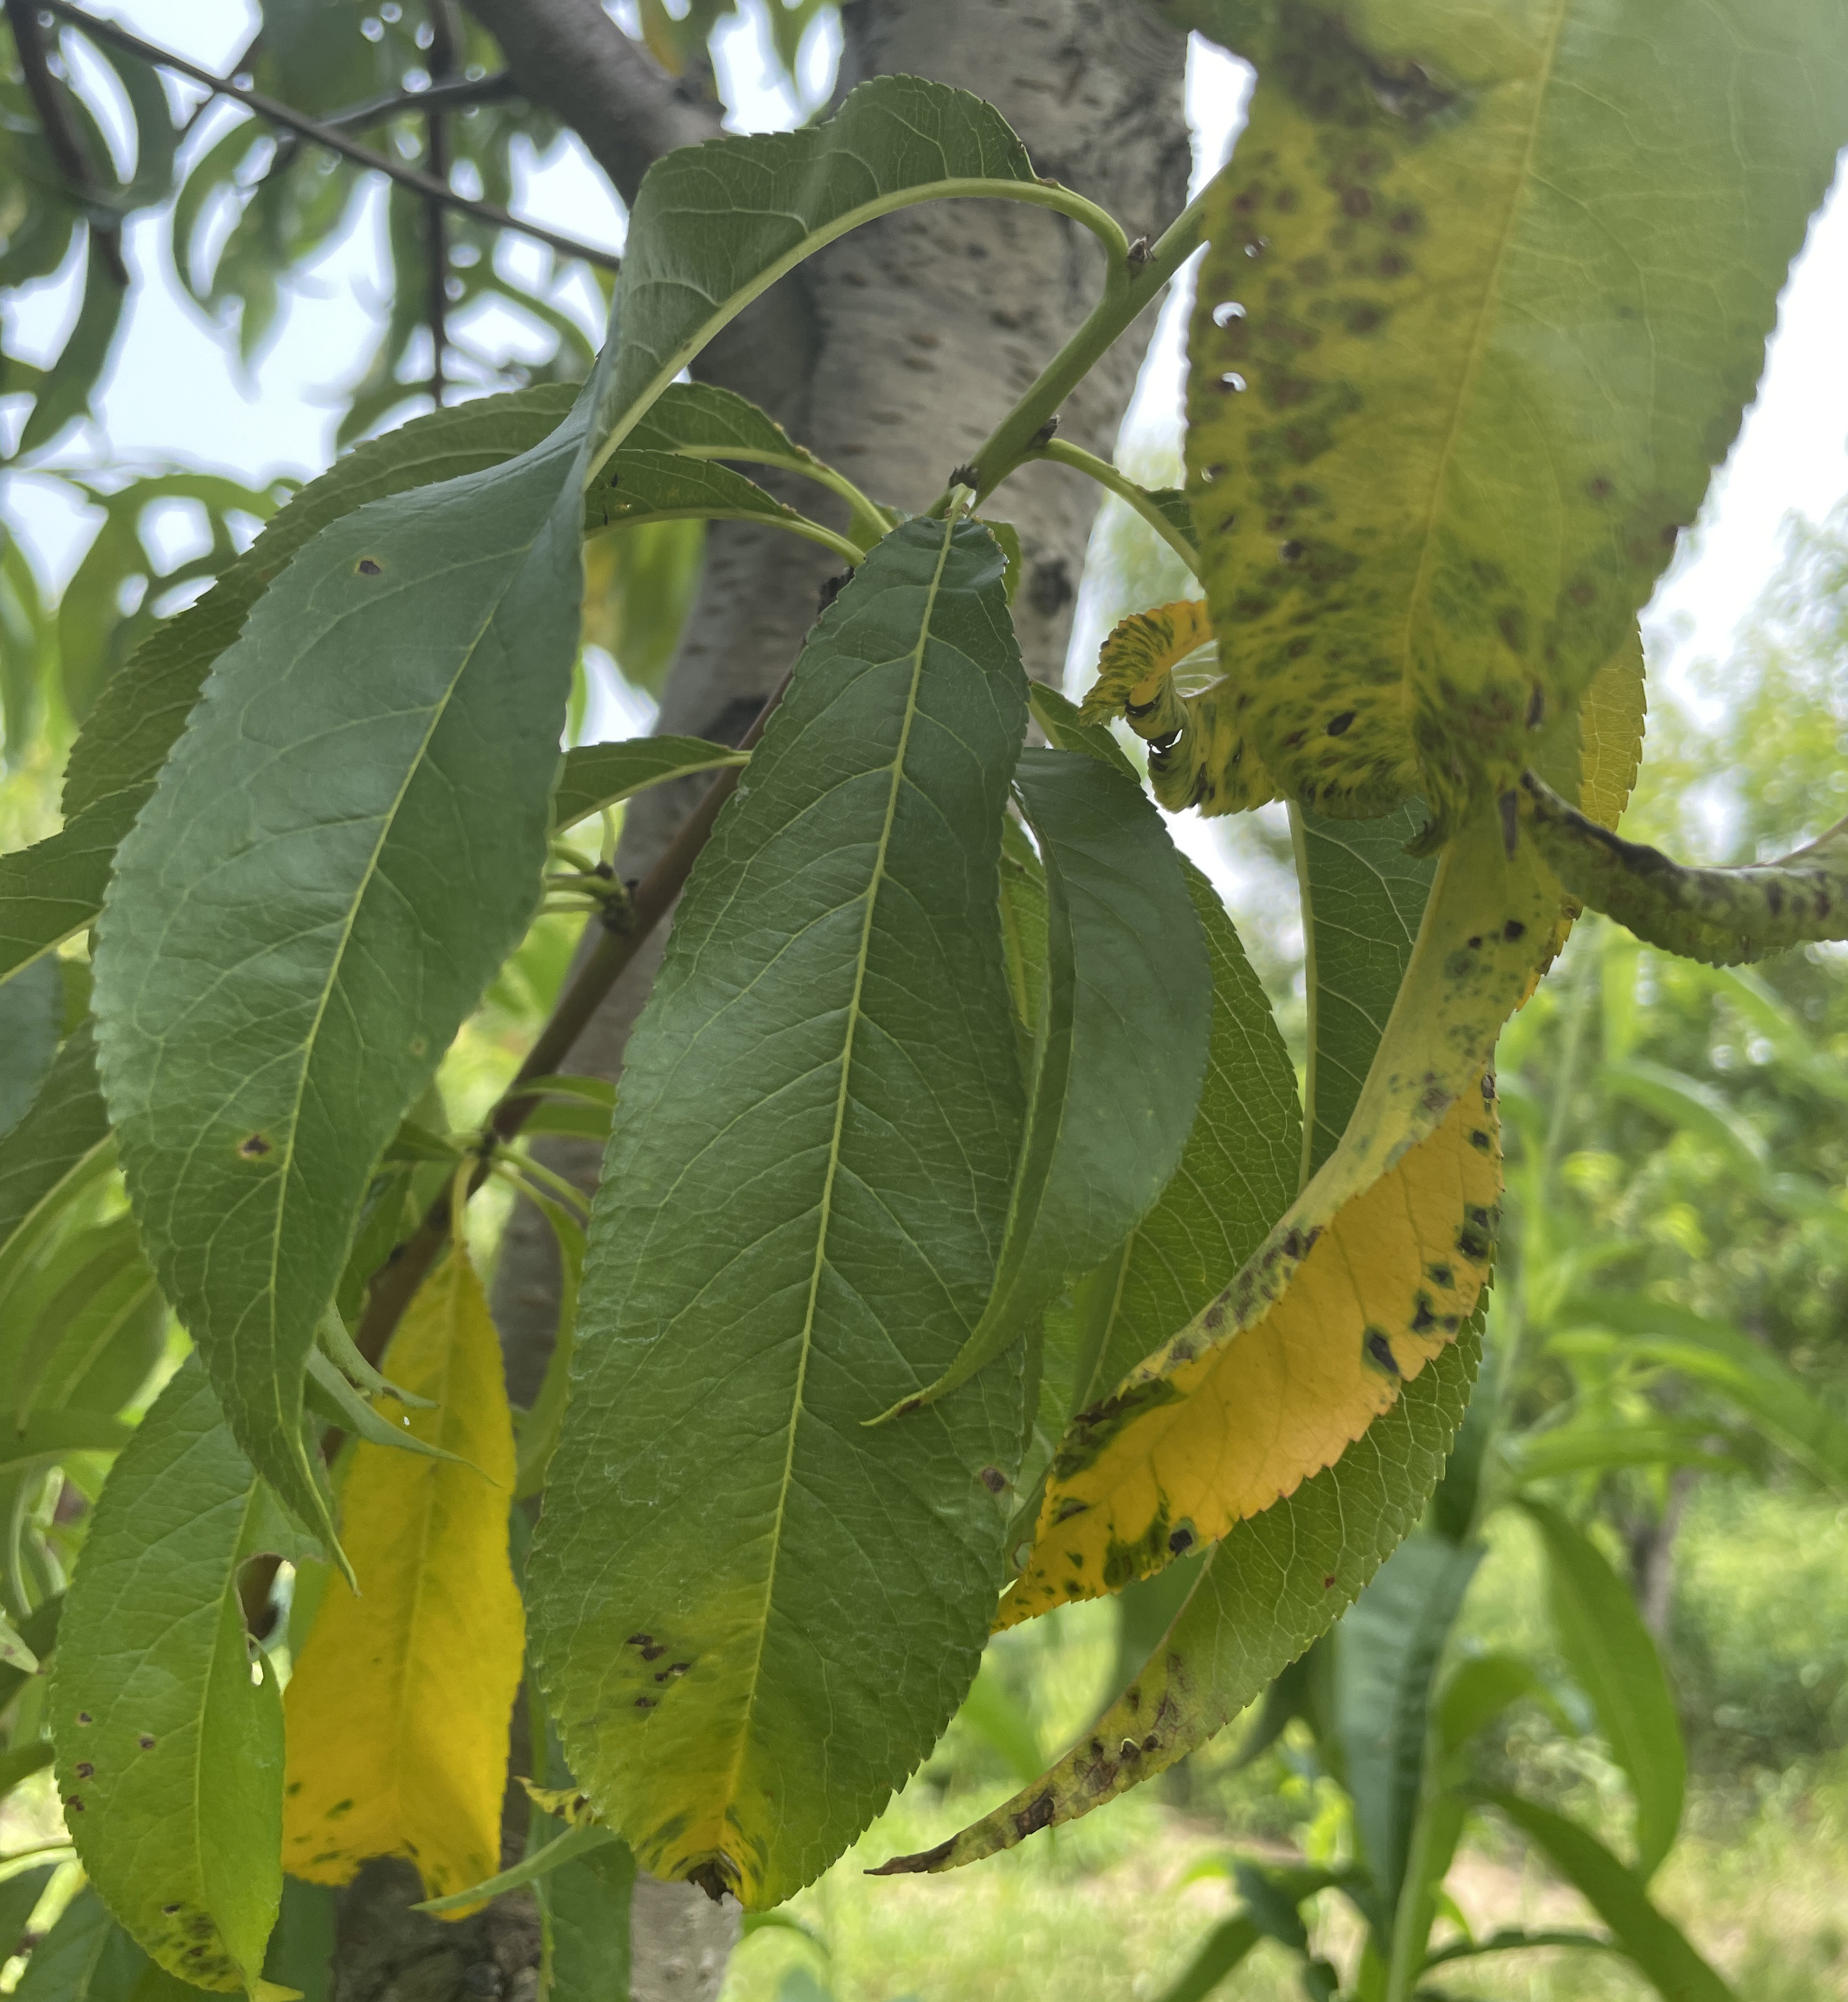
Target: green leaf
<point>44,1440</point>
<point>1770,1393</point>
<point>596,776</point>
<point>20,1761</point>
<point>53,890</point>
<point>1275,1582</point>
<point>63,393</point>
<point>1586,1449</point>
<point>60,1147</point>
<point>1387,1650</point>
<point>1696,1107</point>
<point>1610,1653</point>
<point>1120,1045</point>
<point>1058,717</point>
<point>1236,1176</point>
<point>1513,1939</point>
<point>86,1957</point>
<point>301,1949</point>
<point>32,1014</point>
<point>1480,1687</point>
<point>1363,899</point>
<point>1224,1948</point>
<point>1461,427</point>
<point>39,1631</point>
<point>364,901</point>
<point>584,1908</point>
<point>86,1327</point>
<point>18,1894</point>
<point>1720,915</point>
<point>170,1754</point>
<point>714,226</point>
<point>575,1842</point>
<point>636,486</point>
<point>1652,1942</point>
<point>798,1222</point>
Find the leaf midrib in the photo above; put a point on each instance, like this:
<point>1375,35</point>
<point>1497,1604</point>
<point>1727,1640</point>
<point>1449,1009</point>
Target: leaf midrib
<point>1472,367</point>
<point>796,1406</point>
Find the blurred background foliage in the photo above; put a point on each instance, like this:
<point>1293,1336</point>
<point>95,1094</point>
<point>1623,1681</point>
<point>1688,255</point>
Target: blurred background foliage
<point>1670,1357</point>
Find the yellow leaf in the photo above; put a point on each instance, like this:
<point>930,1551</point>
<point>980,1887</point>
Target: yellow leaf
<point>1198,753</point>
<point>1278,1376</point>
<point>1611,721</point>
<point>398,1709</point>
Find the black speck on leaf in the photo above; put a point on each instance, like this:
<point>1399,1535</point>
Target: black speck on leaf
<point>370,566</point>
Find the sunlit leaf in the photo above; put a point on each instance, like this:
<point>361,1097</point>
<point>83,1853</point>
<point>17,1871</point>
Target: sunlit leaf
<point>399,1707</point>
<point>1460,370</point>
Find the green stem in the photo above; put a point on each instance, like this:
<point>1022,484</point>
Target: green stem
<point>1126,490</point>
<point>850,553</point>
<point>870,520</point>
<point>1129,288</point>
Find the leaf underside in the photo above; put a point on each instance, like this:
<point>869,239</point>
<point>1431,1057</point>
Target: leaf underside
<point>797,1225</point>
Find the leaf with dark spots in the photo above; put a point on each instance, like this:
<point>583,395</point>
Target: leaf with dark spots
<point>1554,396</point>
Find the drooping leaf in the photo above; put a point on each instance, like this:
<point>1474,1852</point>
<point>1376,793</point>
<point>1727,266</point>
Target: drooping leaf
<point>51,890</point>
<point>1363,900</point>
<point>1277,1580</point>
<point>1223,1949</point>
<point>85,1328</point>
<point>1460,372</point>
<point>355,821</point>
<point>1387,1650</point>
<point>52,1436</point>
<point>86,1957</point>
<point>636,486</point>
<point>1481,1687</point>
<point>1610,1652</point>
<point>32,1013</point>
<point>1120,1045</point>
<point>1236,1176</point>
<point>170,1743</point>
<point>1065,726</point>
<point>1642,1934</point>
<point>798,1224</point>
<point>596,776</point>
<point>1766,1390</point>
<point>399,1707</point>
<point>1276,1378</point>
<point>1686,1102</point>
<point>715,225</point>
<point>1720,915</point>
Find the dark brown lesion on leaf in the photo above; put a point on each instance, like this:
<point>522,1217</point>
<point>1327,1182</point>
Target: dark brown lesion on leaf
<point>370,566</point>
<point>255,1147</point>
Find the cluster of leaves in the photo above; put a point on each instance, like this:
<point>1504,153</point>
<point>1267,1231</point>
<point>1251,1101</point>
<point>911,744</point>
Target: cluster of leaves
<point>961,1205</point>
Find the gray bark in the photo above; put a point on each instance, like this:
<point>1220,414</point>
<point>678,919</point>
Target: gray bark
<point>893,355</point>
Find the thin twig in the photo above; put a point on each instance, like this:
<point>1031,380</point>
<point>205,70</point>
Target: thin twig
<point>456,93</point>
<point>443,39</point>
<point>65,147</point>
<point>396,1282</point>
<point>291,120</point>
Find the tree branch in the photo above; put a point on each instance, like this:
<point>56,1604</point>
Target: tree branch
<point>275,113</point>
<point>570,57</point>
<point>458,94</point>
<point>61,141</point>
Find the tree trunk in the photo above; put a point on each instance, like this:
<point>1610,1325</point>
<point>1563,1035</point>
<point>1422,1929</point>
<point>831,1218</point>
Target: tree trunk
<point>892,355</point>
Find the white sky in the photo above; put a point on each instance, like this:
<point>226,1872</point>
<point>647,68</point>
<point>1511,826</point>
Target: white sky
<point>174,389</point>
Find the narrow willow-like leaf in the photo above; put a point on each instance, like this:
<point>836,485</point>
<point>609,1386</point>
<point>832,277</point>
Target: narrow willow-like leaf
<point>798,1224</point>
<point>715,225</point>
<point>1277,1581</point>
<point>1771,1394</point>
<point>399,1707</point>
<point>596,776</point>
<point>52,890</point>
<point>1120,1045</point>
<point>1487,292</point>
<point>1722,916</point>
<point>342,848</point>
<point>1609,1650</point>
<point>32,1014</point>
<point>1642,1934</point>
<point>86,1327</point>
<point>170,1751</point>
<point>638,485</point>
<point>1171,1458</point>
<point>575,1842</point>
<point>1236,1178</point>
<point>1386,1653</point>
<point>1210,1431</point>
<point>1363,899</point>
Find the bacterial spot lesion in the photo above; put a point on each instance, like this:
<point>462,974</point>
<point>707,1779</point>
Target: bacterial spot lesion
<point>253,1146</point>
